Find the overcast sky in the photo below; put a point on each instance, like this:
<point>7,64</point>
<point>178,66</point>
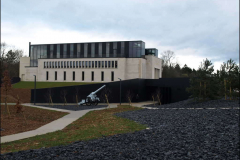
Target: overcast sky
<point>193,29</point>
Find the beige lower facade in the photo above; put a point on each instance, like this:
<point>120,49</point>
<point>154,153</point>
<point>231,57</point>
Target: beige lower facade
<point>149,67</point>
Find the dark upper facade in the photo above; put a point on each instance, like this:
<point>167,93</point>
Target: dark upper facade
<point>151,51</point>
<point>115,49</point>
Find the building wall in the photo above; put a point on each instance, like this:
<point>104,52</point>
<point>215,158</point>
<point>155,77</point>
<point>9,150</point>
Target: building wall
<point>24,61</point>
<point>153,63</point>
<point>127,68</point>
<point>30,71</point>
<point>119,72</point>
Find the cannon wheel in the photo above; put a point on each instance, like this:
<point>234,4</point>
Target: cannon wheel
<point>96,103</point>
<point>88,101</point>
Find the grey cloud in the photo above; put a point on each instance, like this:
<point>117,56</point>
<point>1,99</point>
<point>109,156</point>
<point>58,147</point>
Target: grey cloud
<point>203,25</point>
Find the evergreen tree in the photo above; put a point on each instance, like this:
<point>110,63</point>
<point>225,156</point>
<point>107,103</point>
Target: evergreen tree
<point>203,84</point>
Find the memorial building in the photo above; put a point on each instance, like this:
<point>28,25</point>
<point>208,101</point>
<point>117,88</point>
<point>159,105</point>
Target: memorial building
<point>90,62</point>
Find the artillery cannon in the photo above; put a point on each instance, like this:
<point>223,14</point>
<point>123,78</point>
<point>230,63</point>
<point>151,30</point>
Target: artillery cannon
<point>92,98</point>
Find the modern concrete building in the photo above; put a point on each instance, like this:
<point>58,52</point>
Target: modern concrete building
<point>90,62</point>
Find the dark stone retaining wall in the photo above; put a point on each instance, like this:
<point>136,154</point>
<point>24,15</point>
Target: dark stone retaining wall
<point>172,89</point>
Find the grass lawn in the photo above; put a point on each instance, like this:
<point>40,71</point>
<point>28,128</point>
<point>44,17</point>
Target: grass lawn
<point>30,85</point>
<point>35,118</point>
<point>91,126</point>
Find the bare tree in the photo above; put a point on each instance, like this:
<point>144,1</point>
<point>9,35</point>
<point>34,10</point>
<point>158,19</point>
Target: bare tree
<point>167,57</point>
<point>129,96</point>
<point>7,86</point>
<point>158,96</point>
<point>63,96</point>
<point>76,97</point>
<point>19,109</point>
<point>106,92</point>
<point>48,96</point>
<point>153,98</point>
<point>3,49</point>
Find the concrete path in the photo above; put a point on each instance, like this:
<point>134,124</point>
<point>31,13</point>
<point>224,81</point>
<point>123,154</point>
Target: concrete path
<point>8,103</point>
<point>60,123</point>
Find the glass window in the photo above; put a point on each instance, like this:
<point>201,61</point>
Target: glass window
<point>82,75</point>
<point>51,51</point>
<point>47,75</point>
<point>73,76</point>
<point>71,50</point>
<point>105,64</point>
<point>93,50</point>
<point>138,47</point>
<point>55,75</point>
<point>76,64</point>
<point>78,50</point>
<point>114,49</point>
<point>50,65</point>
<point>31,56</point>
<point>134,51</point>
<point>58,51</point>
<point>99,64</point>
<point>43,51</point>
<point>112,64</point>
<point>102,76</point>
<point>70,64</point>
<point>109,64</point>
<point>85,50</point>
<point>64,64</point>
<point>107,49</point>
<point>44,65</point>
<point>115,64</point>
<point>89,63</point>
<point>92,76</point>
<point>122,49</point>
<point>73,64</point>
<point>38,53</point>
<point>35,56</point>
<point>86,64</point>
<point>67,64</point>
<point>64,51</point>
<point>112,77</point>
<point>130,49</point>
<point>83,64</point>
<point>100,49</point>
<point>95,64</point>
<point>61,64</point>
<point>64,75</point>
<point>92,64</point>
<point>102,64</point>
<point>55,64</point>
<point>143,48</point>
<point>80,64</point>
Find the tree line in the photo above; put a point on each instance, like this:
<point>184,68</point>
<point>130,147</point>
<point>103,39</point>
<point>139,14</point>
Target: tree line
<point>10,58</point>
<point>204,83</point>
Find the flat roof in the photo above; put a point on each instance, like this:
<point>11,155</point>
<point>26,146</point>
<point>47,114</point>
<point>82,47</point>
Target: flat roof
<point>89,42</point>
<point>151,48</point>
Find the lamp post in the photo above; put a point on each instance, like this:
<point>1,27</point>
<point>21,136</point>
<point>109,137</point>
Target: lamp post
<point>34,89</point>
<point>120,90</point>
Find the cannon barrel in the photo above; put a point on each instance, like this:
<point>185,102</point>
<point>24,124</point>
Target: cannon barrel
<point>98,89</point>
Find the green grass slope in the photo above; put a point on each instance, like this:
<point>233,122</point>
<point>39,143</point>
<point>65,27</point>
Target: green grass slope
<point>30,85</point>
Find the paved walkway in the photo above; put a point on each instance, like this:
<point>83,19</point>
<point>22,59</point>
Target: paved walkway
<point>60,123</point>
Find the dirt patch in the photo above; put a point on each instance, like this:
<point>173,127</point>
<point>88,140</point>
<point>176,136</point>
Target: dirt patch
<point>24,95</point>
<point>35,118</point>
